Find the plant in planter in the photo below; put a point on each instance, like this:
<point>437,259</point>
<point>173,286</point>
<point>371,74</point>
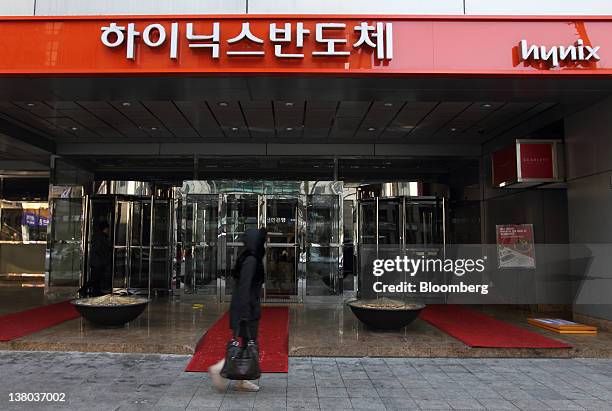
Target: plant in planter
<point>111,309</point>
<point>385,313</point>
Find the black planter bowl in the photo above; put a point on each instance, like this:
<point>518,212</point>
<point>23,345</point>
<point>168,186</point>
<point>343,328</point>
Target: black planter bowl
<point>385,318</point>
<point>110,315</point>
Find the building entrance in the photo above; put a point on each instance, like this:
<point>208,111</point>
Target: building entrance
<point>186,239</point>
<point>303,250</point>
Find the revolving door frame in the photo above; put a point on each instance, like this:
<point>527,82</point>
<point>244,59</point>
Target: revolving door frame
<point>403,192</point>
<point>130,192</point>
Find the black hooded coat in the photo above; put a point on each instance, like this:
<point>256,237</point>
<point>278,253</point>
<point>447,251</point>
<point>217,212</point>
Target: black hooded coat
<point>249,276</point>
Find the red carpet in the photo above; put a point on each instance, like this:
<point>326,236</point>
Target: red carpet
<point>480,330</point>
<point>273,342</point>
<point>26,322</point>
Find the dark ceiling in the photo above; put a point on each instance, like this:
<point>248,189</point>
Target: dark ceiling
<point>149,125</point>
<point>142,121</point>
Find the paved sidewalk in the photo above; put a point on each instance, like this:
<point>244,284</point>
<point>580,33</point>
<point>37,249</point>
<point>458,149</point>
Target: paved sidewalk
<point>94,381</point>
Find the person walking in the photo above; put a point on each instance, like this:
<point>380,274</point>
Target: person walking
<point>245,307</point>
<point>99,259</point>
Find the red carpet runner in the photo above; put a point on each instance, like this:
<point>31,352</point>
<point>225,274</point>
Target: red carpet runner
<point>17,325</point>
<point>273,342</point>
<point>480,330</point>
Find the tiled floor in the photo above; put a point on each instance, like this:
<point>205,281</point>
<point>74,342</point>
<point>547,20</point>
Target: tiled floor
<point>172,326</point>
<point>102,381</point>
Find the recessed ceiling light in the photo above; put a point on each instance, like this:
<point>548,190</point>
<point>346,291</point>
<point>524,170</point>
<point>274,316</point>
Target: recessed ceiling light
<point>289,104</point>
<point>371,128</point>
<point>74,128</point>
<point>234,128</point>
<point>30,104</point>
<point>223,104</point>
<point>126,104</point>
<point>153,128</point>
<point>388,104</point>
<point>407,127</point>
<point>453,129</point>
<point>486,105</point>
<point>289,128</point>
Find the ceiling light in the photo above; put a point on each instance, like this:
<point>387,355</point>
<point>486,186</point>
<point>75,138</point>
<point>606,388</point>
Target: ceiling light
<point>486,105</point>
<point>223,104</point>
<point>30,104</point>
<point>289,128</point>
<point>154,128</point>
<point>126,104</point>
<point>234,128</point>
<point>388,104</point>
<point>74,128</point>
<point>453,129</point>
<point>289,104</point>
<point>371,129</point>
<point>407,127</point>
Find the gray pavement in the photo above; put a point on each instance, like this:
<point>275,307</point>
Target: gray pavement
<point>103,381</point>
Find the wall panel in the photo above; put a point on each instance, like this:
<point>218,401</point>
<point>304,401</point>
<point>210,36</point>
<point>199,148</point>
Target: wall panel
<point>97,7</point>
<point>356,7</point>
<point>589,194</point>
<point>16,7</point>
<point>539,7</point>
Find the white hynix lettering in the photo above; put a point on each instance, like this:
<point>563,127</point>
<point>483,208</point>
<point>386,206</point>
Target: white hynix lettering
<point>556,54</point>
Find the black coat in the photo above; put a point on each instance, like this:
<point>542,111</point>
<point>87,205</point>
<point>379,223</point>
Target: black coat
<point>249,276</point>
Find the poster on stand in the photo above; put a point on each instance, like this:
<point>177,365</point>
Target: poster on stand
<point>515,246</point>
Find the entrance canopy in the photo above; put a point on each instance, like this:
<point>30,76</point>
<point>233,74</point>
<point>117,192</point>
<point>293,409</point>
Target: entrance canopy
<point>162,96</point>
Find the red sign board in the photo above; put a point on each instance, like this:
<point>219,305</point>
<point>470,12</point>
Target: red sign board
<point>536,161</point>
<point>319,45</point>
<point>504,166</point>
<point>525,163</point>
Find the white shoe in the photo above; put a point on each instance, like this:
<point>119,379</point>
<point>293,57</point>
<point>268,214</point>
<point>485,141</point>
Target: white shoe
<point>215,375</point>
<point>244,385</point>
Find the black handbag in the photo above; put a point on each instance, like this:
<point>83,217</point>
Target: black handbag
<point>241,363</point>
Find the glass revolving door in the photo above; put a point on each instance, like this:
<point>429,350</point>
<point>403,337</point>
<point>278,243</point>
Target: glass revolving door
<point>398,219</point>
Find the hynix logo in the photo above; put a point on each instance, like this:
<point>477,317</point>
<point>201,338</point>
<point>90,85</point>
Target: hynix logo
<point>556,54</point>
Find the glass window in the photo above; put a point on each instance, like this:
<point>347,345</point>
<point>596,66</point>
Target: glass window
<point>24,221</point>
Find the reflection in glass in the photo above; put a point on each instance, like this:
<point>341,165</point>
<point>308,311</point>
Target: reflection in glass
<point>65,242</point>
<point>280,272</point>
<point>389,218</point>
<point>200,242</point>
<point>281,215</point>
<point>241,215</point>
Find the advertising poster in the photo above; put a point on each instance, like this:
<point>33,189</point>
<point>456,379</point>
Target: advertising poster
<point>515,246</point>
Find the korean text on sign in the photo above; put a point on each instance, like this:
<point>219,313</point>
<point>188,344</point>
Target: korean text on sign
<point>330,38</point>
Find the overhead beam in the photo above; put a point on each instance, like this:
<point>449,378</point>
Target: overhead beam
<point>24,139</point>
<point>270,149</point>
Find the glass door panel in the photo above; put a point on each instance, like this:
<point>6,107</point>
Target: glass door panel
<point>241,213</point>
<point>424,223</point>
<point>65,242</point>
<point>367,222</point>
<point>281,253</point>
<point>280,272</point>
<point>389,222</point>
<point>101,210</point>
<point>160,266</point>
<point>121,235</point>
<point>323,275</point>
<point>201,222</point>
